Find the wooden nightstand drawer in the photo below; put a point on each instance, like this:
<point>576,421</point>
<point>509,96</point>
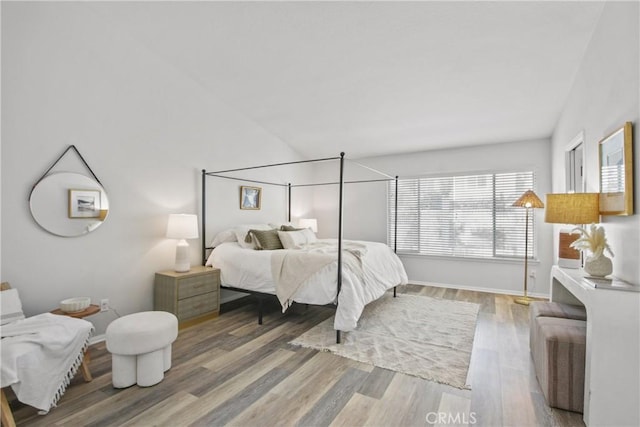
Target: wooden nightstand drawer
<point>192,296</point>
<point>197,305</point>
<point>191,286</point>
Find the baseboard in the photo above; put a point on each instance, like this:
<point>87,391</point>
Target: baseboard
<point>471,288</point>
<point>96,339</point>
<point>226,304</point>
<point>235,298</point>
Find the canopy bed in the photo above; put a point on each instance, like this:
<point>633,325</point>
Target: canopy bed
<point>345,274</point>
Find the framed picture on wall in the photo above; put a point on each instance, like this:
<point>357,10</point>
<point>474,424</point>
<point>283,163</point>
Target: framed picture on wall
<point>616,172</point>
<point>250,197</point>
<point>84,203</point>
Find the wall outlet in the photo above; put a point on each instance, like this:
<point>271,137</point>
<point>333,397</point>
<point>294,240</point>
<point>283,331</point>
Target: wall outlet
<point>104,304</point>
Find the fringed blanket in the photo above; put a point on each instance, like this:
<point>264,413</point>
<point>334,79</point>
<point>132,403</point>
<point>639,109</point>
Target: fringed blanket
<point>40,356</point>
<point>291,268</point>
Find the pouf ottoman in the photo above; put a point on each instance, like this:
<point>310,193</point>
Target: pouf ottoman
<point>140,347</point>
<point>556,309</point>
<point>551,309</point>
<point>559,356</point>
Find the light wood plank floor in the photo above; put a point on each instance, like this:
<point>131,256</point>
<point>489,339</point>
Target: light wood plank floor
<point>231,371</point>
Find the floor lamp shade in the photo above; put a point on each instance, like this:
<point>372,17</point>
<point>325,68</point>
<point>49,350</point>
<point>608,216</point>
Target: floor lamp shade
<point>528,200</point>
<point>182,227</point>
<point>571,208</point>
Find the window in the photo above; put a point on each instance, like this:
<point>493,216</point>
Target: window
<point>462,216</point>
<point>574,164</point>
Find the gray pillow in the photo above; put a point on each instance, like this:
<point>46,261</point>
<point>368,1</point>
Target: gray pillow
<point>290,228</point>
<point>266,239</point>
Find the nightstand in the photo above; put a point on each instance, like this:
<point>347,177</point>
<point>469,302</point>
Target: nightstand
<point>193,296</point>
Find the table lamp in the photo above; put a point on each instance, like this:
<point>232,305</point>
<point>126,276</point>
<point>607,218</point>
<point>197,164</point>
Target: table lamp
<point>528,200</point>
<point>311,223</point>
<point>182,227</point>
<point>571,208</point>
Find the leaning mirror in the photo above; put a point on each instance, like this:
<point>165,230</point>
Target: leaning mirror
<point>69,204</point>
<point>616,172</point>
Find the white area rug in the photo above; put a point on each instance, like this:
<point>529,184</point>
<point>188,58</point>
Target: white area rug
<point>426,337</point>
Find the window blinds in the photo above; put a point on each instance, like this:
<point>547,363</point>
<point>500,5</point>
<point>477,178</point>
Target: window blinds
<point>462,216</point>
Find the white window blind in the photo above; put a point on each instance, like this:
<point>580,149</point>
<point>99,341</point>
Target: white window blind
<point>462,216</point>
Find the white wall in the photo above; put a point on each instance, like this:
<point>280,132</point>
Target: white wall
<point>144,126</point>
<point>604,96</point>
<point>365,214</point>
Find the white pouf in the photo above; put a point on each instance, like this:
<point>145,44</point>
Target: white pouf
<point>140,347</point>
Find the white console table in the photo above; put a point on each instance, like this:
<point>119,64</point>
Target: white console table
<point>612,377</point>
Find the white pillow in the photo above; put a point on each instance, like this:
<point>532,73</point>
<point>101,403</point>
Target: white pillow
<point>224,236</point>
<point>296,239</point>
<point>10,306</point>
<point>242,230</point>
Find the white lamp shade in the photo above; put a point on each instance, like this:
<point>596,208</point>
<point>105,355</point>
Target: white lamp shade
<point>311,223</point>
<point>182,226</point>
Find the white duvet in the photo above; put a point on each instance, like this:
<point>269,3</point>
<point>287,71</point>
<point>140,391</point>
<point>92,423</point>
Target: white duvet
<point>381,270</point>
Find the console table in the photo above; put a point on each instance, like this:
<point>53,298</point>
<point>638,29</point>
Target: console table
<point>612,377</point>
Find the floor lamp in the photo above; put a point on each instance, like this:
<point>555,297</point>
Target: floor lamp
<point>528,200</point>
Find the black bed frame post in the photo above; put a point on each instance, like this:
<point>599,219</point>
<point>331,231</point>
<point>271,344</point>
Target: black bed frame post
<point>395,228</point>
<point>340,206</point>
<point>203,218</point>
<point>395,219</point>
<point>289,202</point>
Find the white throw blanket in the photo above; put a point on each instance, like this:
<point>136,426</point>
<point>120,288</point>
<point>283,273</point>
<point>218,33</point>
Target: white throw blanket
<point>292,268</point>
<point>376,268</point>
<point>40,356</point>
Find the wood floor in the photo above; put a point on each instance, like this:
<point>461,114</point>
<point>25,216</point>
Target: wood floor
<point>231,371</point>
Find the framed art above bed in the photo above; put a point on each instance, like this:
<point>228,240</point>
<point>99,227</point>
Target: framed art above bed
<point>250,197</point>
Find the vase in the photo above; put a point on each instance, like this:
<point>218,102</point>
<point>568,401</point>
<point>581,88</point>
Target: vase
<point>599,266</point>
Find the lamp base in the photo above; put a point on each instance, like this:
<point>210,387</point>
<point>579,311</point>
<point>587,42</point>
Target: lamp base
<point>523,300</point>
<point>183,264</point>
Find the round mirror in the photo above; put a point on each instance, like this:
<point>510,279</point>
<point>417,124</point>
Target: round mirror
<point>69,204</point>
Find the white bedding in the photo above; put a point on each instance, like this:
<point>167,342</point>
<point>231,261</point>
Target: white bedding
<point>251,270</point>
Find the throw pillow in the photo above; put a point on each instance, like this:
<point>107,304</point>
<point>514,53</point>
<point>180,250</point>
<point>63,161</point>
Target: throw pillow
<point>296,239</point>
<point>224,236</point>
<point>266,239</point>
<point>242,231</point>
<point>290,228</point>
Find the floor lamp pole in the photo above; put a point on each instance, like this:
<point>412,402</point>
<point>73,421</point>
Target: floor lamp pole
<point>528,200</point>
<point>525,300</point>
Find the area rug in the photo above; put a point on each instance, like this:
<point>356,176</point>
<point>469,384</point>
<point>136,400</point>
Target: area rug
<point>425,337</point>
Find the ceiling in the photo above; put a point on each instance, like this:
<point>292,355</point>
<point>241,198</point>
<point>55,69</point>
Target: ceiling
<point>374,78</point>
